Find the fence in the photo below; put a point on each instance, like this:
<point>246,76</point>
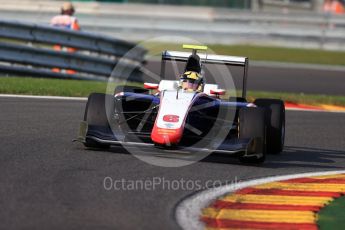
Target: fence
<point>240,4</point>
<point>95,60</point>
<point>237,4</point>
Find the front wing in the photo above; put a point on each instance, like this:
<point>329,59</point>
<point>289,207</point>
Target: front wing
<point>105,136</point>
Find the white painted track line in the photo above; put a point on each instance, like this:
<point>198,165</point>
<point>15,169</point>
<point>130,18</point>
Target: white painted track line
<point>43,97</point>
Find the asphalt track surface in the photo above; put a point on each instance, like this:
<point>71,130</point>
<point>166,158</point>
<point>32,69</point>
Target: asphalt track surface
<point>293,79</point>
<point>48,182</point>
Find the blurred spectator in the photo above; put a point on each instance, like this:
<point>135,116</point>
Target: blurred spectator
<point>333,7</point>
<point>68,21</point>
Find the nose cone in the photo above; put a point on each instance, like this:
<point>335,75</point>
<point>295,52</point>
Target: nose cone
<point>166,136</point>
<point>171,117</point>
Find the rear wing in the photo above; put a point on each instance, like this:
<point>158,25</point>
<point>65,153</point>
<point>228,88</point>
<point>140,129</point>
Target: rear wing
<point>209,59</point>
<point>205,58</point>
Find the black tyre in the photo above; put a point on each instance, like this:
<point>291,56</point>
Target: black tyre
<point>130,89</point>
<point>96,115</point>
<point>237,99</point>
<point>275,124</point>
<point>252,125</point>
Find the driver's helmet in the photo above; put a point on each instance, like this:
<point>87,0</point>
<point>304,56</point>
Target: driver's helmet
<point>192,81</point>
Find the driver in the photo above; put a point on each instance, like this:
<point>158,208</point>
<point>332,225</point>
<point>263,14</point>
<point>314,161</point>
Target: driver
<point>191,81</point>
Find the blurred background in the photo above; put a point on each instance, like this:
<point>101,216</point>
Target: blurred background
<point>294,46</point>
<point>240,4</point>
<point>288,23</point>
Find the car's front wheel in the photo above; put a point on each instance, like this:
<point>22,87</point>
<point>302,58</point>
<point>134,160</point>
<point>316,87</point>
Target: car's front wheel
<point>96,115</point>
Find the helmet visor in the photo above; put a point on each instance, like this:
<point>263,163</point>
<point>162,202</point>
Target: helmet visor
<point>190,84</point>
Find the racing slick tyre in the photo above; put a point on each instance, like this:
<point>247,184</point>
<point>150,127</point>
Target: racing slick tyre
<point>252,124</point>
<point>237,99</point>
<point>96,115</point>
<point>275,124</point>
<point>129,89</point>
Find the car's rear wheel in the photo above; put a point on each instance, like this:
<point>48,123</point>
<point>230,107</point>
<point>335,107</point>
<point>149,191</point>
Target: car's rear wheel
<point>237,99</point>
<point>252,125</point>
<point>96,115</point>
<point>130,89</point>
<point>275,123</point>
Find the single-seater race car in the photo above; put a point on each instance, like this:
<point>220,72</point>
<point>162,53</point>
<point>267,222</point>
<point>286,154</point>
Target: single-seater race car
<point>186,114</point>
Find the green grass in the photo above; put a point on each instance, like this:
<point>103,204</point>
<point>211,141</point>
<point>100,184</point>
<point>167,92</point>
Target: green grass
<point>51,87</point>
<point>263,53</point>
<point>75,88</point>
<point>284,54</point>
<point>333,215</point>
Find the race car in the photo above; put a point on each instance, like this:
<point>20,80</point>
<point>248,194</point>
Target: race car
<point>186,114</point>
